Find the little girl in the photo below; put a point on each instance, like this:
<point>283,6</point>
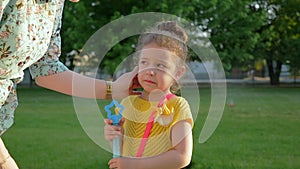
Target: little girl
<point>157,125</point>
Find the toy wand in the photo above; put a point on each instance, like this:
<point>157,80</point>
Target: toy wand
<point>115,121</point>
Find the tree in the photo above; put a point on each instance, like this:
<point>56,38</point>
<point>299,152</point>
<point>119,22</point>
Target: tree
<point>83,19</point>
<point>232,26</point>
<point>241,31</point>
<point>280,34</point>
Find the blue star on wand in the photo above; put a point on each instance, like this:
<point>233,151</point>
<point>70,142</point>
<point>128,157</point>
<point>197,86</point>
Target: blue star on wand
<point>114,117</point>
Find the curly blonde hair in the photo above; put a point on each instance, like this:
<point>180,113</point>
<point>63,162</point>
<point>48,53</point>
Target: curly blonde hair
<point>170,35</point>
<point>167,34</point>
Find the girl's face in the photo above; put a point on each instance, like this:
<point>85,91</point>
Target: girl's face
<point>158,69</point>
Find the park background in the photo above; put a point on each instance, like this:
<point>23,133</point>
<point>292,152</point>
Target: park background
<point>258,44</point>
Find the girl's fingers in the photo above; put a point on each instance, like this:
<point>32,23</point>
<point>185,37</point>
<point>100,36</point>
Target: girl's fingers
<point>111,132</point>
<point>108,121</point>
<point>121,122</point>
<point>111,137</point>
<point>113,163</point>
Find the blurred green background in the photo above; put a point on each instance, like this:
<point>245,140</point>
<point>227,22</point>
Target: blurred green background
<point>248,35</point>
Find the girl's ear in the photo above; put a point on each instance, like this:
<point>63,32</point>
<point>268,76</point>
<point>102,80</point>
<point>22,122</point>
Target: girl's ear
<point>180,73</point>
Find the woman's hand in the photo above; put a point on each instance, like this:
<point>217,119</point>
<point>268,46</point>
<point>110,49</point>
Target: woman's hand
<point>125,85</point>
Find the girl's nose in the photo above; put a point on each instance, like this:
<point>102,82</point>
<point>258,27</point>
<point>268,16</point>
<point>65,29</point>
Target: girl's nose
<point>151,71</point>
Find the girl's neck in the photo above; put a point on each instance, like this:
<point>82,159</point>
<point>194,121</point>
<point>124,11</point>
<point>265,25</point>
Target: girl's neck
<point>154,96</point>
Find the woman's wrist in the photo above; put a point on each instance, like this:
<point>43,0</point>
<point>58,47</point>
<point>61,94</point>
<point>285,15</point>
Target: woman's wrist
<point>108,95</point>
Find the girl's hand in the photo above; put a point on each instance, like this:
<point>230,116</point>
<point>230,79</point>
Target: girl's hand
<point>121,163</point>
<point>111,131</point>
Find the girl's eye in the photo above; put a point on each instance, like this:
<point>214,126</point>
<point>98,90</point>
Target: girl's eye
<point>143,62</point>
<point>161,66</point>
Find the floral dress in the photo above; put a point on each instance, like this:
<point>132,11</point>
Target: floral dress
<point>29,37</point>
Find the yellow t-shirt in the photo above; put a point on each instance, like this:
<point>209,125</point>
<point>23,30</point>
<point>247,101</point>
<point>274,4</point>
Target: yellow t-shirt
<point>137,112</point>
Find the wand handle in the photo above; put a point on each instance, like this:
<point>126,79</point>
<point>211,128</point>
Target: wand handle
<point>116,147</point>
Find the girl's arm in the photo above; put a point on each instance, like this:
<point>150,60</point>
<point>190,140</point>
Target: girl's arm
<point>75,84</point>
<point>178,157</point>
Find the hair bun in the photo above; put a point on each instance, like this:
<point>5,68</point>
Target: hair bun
<point>173,28</point>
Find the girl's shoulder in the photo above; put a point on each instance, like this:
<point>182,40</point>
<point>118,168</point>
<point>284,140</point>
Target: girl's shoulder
<point>178,101</point>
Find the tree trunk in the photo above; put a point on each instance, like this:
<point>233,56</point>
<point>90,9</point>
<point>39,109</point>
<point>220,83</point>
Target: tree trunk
<point>274,71</point>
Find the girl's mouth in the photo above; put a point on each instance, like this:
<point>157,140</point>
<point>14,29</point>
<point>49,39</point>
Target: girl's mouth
<point>149,81</point>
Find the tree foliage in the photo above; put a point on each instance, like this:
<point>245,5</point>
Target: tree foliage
<point>232,26</point>
<point>241,31</point>
<point>279,40</point>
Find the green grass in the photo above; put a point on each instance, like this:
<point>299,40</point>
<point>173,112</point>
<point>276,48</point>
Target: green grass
<point>261,132</point>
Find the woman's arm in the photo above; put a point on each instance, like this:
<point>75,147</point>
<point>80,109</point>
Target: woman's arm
<point>75,84</point>
<point>178,157</point>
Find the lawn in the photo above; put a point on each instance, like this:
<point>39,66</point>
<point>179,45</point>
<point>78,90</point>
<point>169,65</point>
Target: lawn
<point>261,132</point>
